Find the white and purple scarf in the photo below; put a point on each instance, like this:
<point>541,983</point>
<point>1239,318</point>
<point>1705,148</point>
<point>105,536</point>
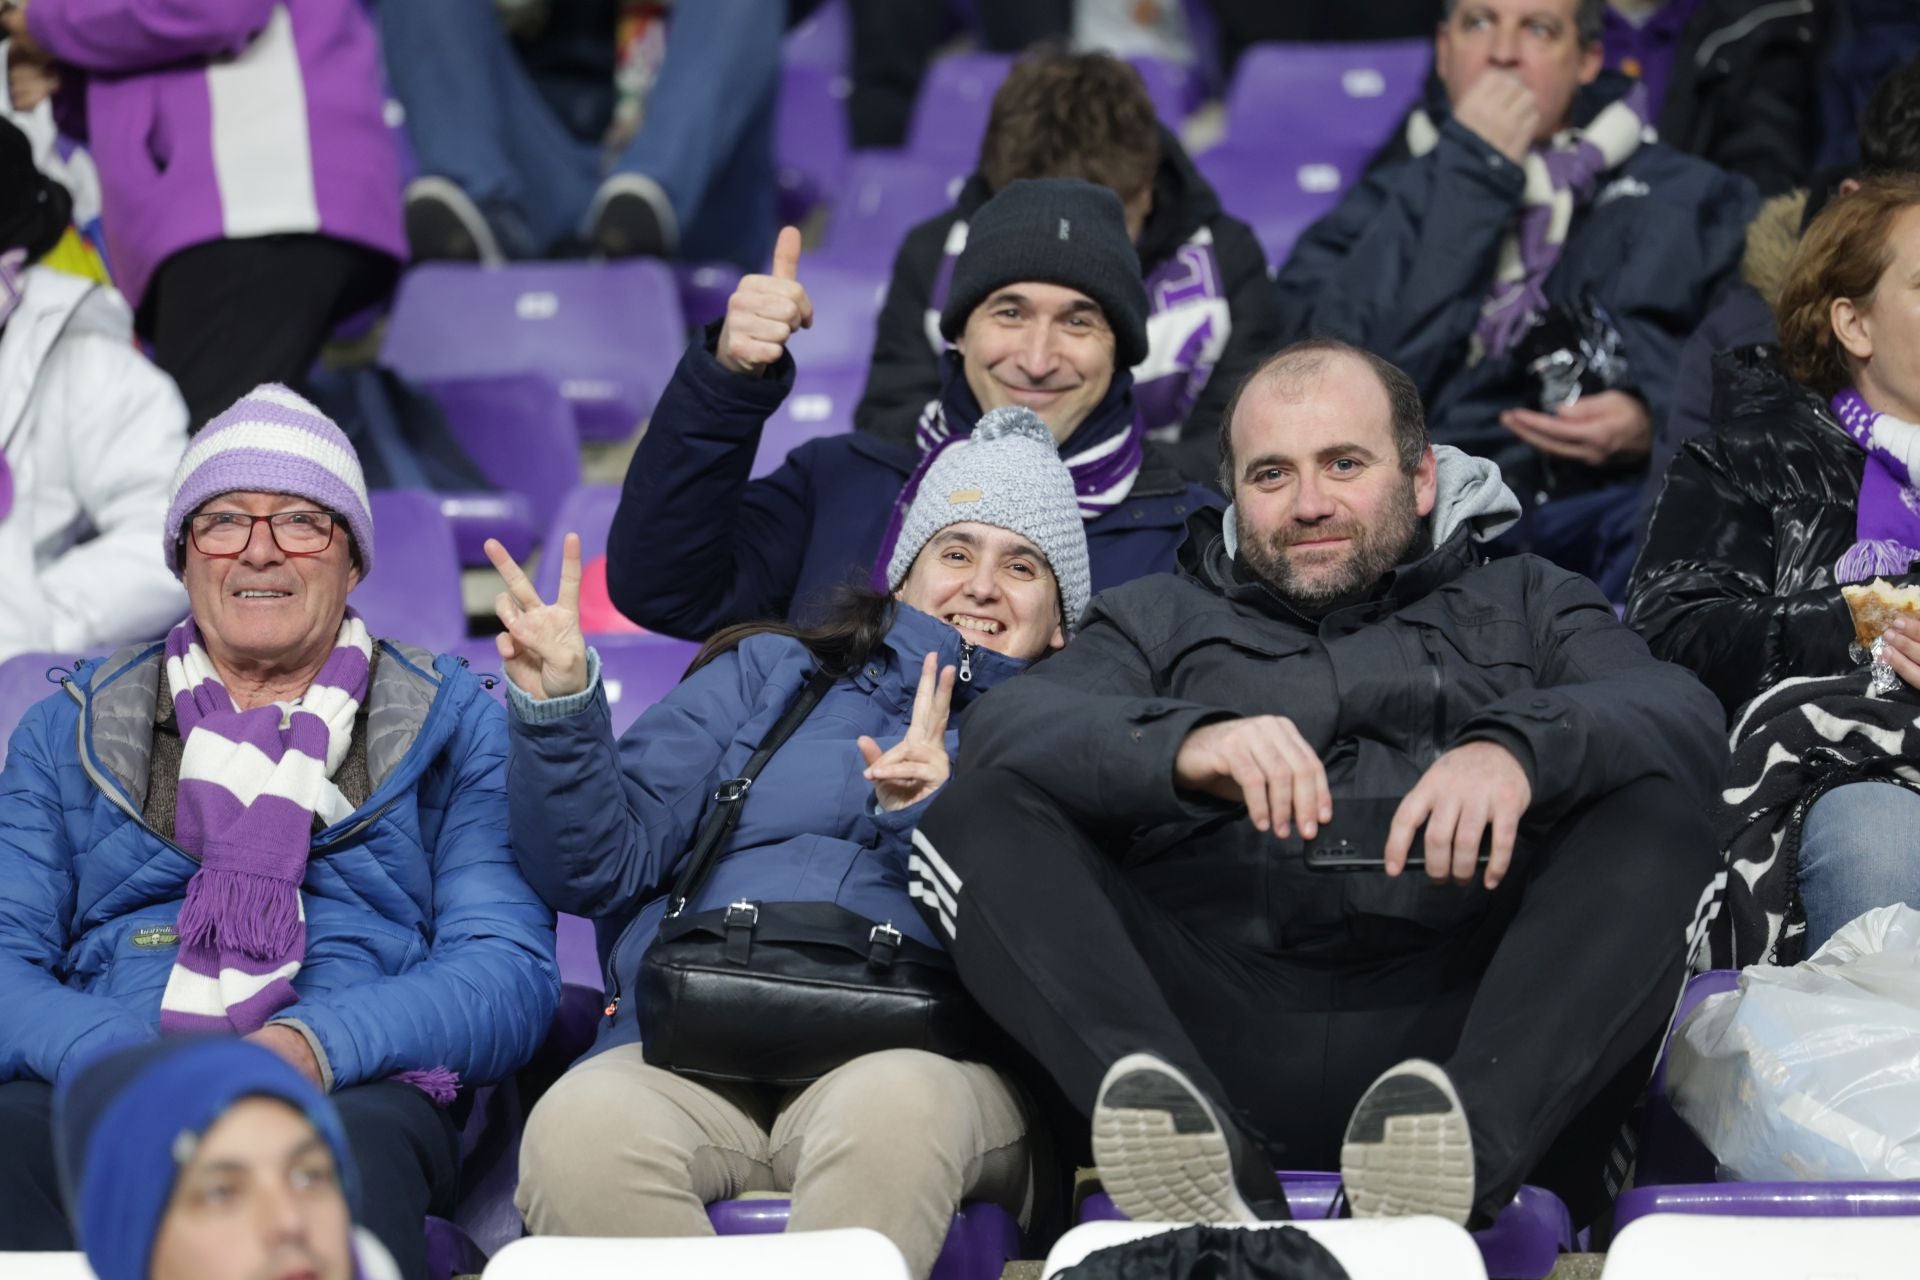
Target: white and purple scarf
<point>1887,520</point>
<point>1561,176</point>
<point>251,784</point>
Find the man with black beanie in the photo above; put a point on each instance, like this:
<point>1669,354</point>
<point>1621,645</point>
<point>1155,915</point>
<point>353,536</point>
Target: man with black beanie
<point>89,435</point>
<point>1046,309</point>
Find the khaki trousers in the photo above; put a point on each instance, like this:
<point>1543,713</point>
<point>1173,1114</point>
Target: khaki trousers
<point>893,1141</point>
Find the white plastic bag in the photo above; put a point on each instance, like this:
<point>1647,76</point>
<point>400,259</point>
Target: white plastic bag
<point>1812,1072</point>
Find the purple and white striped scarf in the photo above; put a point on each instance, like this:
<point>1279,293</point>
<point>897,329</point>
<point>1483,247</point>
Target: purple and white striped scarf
<point>1103,474</point>
<point>1560,179</point>
<point>1887,520</point>
<point>251,784</point>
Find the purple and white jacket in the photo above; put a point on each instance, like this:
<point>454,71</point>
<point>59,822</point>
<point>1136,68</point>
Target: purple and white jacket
<point>227,119</point>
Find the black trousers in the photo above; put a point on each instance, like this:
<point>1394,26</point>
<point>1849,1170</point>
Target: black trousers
<point>1545,1013</point>
<point>406,1149</point>
<point>228,315</point>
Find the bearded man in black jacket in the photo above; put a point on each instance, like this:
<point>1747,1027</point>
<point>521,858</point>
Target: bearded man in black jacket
<point>1121,867</point>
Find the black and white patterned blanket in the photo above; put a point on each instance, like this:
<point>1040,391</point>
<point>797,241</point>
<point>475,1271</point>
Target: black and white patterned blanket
<point>1793,744</point>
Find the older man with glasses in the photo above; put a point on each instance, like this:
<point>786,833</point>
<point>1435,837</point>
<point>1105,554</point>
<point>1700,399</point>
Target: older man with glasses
<point>268,825</point>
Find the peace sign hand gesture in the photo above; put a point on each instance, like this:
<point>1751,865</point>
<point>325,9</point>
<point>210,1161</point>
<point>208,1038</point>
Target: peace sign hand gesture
<point>917,765</point>
<point>542,649</point>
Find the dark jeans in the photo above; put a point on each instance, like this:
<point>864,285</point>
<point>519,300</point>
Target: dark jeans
<point>1544,1009</point>
<point>228,315</point>
<point>406,1149</point>
<point>476,117</point>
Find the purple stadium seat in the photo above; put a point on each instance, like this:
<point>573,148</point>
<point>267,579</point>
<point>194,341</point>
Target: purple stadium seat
<point>704,290</point>
<point>950,113</point>
<point>1279,193</point>
<point>820,404</point>
<point>1175,89</point>
<point>884,195</point>
<point>639,670</point>
<point>413,594</point>
<point>980,1243</point>
<point>519,431</point>
<point>811,137</point>
<point>609,333</point>
<point>821,41</point>
<point>1524,1243</point>
<point>451,1251</point>
<point>846,304</point>
<point>587,511</point>
<point>1677,1174</point>
<point>23,682</point>
<point>1350,97</point>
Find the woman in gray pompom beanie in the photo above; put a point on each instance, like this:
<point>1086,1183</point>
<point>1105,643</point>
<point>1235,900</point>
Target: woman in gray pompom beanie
<point>1007,473</point>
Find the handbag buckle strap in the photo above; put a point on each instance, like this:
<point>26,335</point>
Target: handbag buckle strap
<point>739,920</point>
<point>883,943</point>
<point>731,790</point>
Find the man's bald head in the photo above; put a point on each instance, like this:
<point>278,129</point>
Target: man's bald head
<point>1294,372</point>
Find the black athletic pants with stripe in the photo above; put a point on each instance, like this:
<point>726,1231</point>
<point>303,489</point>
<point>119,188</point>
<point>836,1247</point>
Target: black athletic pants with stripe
<point>1546,1013</point>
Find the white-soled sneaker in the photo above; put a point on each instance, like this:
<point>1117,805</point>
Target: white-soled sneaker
<point>1165,1156</point>
<point>1407,1149</point>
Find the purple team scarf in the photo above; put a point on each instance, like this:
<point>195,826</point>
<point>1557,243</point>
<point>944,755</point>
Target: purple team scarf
<point>1103,474</point>
<point>1887,520</point>
<point>251,784</point>
<point>1561,177</point>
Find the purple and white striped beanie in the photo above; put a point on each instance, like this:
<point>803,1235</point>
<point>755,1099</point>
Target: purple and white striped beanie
<point>272,440</point>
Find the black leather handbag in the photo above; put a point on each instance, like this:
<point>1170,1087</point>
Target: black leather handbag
<point>781,993</point>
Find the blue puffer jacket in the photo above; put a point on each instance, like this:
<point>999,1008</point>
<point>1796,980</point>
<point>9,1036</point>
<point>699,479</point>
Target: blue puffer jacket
<point>696,545</point>
<point>602,828</point>
<point>425,947</point>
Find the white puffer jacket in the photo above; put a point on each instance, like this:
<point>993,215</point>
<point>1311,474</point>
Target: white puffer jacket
<point>92,432</point>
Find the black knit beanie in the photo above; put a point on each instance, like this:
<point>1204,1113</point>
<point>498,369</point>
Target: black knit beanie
<point>1057,231</point>
<point>34,209</point>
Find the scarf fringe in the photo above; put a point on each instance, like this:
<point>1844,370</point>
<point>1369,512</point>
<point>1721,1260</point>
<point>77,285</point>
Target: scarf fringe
<point>439,1083</point>
<point>257,916</point>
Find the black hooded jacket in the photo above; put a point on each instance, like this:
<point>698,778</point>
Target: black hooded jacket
<point>905,371</point>
<point>1737,578</point>
<point>1449,648</point>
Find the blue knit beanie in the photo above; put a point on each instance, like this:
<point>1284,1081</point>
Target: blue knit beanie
<point>125,1125</point>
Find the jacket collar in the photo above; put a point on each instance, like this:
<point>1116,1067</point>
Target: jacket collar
<point>53,304</point>
<point>896,664</point>
<point>1206,558</point>
<point>118,707</point>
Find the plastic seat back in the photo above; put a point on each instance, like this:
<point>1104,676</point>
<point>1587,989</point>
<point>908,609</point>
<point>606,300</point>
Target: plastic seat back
<point>803,1255</point>
<point>413,594</point>
<point>607,333</point>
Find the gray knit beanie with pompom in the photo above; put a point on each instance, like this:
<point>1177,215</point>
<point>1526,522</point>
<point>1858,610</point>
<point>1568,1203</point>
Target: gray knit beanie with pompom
<point>1008,473</point>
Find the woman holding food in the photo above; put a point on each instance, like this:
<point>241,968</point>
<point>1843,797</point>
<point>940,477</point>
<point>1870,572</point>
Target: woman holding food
<point>1810,483</point>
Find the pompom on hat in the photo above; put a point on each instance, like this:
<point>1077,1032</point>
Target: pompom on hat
<point>273,440</point>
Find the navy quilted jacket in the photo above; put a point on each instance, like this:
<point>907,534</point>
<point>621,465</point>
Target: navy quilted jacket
<point>425,947</point>
<point>603,827</point>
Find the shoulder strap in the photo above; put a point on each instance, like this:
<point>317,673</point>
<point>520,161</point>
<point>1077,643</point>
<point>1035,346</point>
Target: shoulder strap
<point>732,793</point>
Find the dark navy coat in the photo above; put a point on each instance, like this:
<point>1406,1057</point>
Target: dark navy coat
<point>696,545</point>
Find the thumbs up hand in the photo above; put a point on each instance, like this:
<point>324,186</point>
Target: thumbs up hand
<point>764,312</point>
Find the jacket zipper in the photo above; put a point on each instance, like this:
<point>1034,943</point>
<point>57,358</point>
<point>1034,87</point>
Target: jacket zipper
<point>966,662</point>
